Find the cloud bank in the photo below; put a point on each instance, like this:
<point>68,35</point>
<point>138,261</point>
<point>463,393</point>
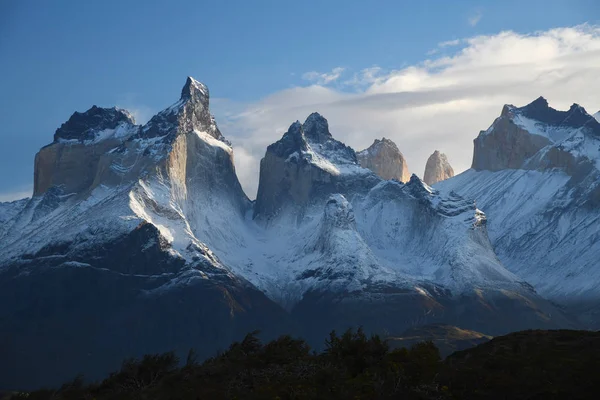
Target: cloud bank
<point>440,103</point>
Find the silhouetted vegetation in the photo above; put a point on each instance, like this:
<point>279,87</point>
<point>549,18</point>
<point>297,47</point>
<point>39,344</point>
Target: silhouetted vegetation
<point>524,365</point>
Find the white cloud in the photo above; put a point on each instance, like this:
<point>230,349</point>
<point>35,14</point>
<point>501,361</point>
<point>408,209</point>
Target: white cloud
<point>323,78</point>
<point>441,103</point>
<point>475,18</point>
<point>130,102</point>
<point>449,43</point>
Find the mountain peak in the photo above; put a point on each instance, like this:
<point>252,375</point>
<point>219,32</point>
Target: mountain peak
<point>316,128</point>
<point>194,89</point>
<point>437,168</point>
<point>540,102</point>
<point>385,159</point>
<point>521,132</point>
<point>190,113</point>
<point>83,126</point>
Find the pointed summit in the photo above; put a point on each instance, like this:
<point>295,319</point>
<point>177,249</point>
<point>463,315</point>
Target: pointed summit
<point>194,89</point>
<point>190,113</point>
<point>540,102</point>
<point>316,128</point>
<point>385,159</point>
<point>437,168</point>
<point>306,165</point>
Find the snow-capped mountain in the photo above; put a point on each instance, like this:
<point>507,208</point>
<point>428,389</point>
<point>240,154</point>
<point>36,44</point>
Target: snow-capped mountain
<point>536,175</point>
<point>385,159</point>
<point>104,261</point>
<point>140,239</point>
<point>338,237</point>
<point>437,168</point>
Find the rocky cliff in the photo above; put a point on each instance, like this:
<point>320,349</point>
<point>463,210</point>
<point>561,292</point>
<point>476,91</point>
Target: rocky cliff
<point>305,166</point>
<point>536,174</point>
<point>437,168</point>
<point>385,159</point>
<point>519,134</point>
<point>110,256</point>
<point>139,239</point>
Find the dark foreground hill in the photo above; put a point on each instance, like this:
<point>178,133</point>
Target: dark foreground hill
<point>560,364</point>
<point>447,338</point>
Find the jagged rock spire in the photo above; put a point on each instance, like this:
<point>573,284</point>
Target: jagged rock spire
<point>195,90</point>
<point>385,159</point>
<point>437,168</point>
<point>190,113</point>
<point>316,128</point>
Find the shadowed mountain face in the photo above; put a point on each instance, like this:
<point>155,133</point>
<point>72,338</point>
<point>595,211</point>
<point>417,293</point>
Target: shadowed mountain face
<point>92,123</point>
<point>536,175</point>
<point>103,263</point>
<point>139,239</point>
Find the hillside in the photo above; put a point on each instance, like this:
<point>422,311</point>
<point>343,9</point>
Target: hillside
<point>524,365</point>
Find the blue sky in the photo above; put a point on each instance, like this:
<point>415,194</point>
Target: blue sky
<point>61,56</point>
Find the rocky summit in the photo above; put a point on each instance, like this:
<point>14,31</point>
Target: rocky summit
<point>536,174</point>
<point>385,159</point>
<point>139,239</point>
<point>437,168</point>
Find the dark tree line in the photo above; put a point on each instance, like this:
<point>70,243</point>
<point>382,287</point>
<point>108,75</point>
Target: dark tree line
<point>524,365</point>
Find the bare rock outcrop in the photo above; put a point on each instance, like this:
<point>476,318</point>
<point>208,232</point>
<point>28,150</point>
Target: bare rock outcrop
<point>385,159</point>
<point>104,146</point>
<point>437,168</point>
<point>517,136</point>
<point>305,166</point>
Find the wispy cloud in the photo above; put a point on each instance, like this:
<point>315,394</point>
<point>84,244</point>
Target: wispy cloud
<point>475,18</point>
<point>323,78</point>
<point>449,43</point>
<point>441,103</point>
<point>131,102</point>
<point>443,45</point>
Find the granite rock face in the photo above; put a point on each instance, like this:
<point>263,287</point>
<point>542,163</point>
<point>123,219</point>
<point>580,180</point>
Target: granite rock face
<point>340,265</point>
<point>114,242</point>
<point>191,113</point>
<point>437,168</point>
<point>385,159</point>
<point>515,138</point>
<point>305,166</point>
<point>536,174</point>
<point>140,239</point>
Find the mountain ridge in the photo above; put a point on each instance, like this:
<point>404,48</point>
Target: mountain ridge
<point>159,215</point>
<point>542,199</point>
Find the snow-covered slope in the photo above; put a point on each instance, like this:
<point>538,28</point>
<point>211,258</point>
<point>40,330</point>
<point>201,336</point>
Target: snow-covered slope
<point>406,238</point>
<point>110,234</point>
<point>140,239</point>
<point>9,209</point>
<point>542,198</point>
